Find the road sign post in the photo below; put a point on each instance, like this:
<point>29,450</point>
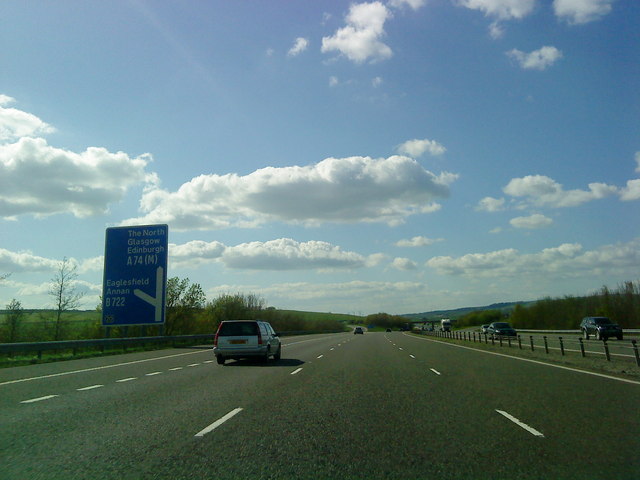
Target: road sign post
<point>135,275</point>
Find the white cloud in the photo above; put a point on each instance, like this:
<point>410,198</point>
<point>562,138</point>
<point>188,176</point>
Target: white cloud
<point>414,148</point>
<point>333,81</point>
<point>376,82</point>
<point>38,179</point>
<point>501,9</point>
<point>21,262</point>
<point>403,264</point>
<point>299,46</point>
<point>288,254</point>
<point>418,241</point>
<point>360,40</point>
<point>496,30</point>
<point>490,204</point>
<point>637,157</point>
<point>531,222</point>
<point>577,12</point>
<point>540,59</point>
<point>567,260</point>
<point>414,4</point>
<point>543,191</point>
<point>15,124</point>
<point>343,190</point>
<point>631,191</point>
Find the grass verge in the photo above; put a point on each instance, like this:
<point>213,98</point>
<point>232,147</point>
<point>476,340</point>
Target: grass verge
<point>617,367</point>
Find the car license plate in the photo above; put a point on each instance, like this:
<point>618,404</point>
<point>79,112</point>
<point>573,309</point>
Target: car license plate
<point>237,342</point>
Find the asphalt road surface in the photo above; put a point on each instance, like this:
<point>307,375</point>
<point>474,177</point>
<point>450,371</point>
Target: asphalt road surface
<point>378,405</point>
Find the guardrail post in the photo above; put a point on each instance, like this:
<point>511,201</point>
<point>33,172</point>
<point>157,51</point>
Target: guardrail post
<point>582,347</point>
<point>519,342</point>
<point>606,350</point>
<point>635,350</point>
<point>500,340</point>
<point>531,341</point>
<point>493,340</point>
<point>561,346</point>
<point>509,341</point>
<point>546,345</point>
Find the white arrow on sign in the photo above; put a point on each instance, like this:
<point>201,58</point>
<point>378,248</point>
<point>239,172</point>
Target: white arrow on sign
<point>157,300</point>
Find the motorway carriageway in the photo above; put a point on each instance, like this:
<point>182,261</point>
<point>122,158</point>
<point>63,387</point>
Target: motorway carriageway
<point>378,405</point>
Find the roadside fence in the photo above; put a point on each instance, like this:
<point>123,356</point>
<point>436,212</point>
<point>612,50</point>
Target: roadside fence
<point>550,343</point>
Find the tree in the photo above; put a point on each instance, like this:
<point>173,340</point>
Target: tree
<point>64,292</point>
<point>13,318</point>
<point>184,299</point>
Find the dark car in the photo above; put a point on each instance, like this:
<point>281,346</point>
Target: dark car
<point>388,330</point>
<point>501,329</point>
<point>601,327</point>
<point>358,330</point>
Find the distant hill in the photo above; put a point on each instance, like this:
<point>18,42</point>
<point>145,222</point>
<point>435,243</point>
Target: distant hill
<point>505,307</point>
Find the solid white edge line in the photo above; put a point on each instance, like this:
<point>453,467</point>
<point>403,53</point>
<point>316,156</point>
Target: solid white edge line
<point>298,370</point>
<point>529,429</point>
<point>39,399</point>
<point>435,371</point>
<point>577,370</point>
<point>90,387</point>
<point>19,380</point>
<point>218,422</point>
<point>83,370</point>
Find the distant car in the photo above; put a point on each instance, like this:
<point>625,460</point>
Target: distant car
<point>388,330</point>
<point>359,330</point>
<point>245,339</point>
<point>484,329</point>
<point>601,327</point>
<point>501,329</point>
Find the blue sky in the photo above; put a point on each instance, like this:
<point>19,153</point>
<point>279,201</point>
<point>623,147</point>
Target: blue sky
<point>398,156</point>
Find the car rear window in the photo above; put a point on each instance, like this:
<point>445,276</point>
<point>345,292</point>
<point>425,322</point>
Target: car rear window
<point>238,329</point>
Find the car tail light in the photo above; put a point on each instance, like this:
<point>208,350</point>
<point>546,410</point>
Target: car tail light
<point>215,340</point>
<point>259,337</point>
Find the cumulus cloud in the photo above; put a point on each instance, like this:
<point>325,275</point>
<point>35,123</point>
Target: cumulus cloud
<point>532,222</point>
<point>540,59</point>
<point>39,179</point>
<point>413,4</point>
<point>415,148</point>
<point>343,190</point>
<point>418,241</point>
<point>279,254</point>
<point>490,204</point>
<point>501,9</point>
<point>299,46</point>
<point>22,262</point>
<point>577,12</point>
<point>15,123</point>
<point>360,39</point>
<point>567,260</point>
<point>631,191</point>
<point>404,264</point>
<point>540,190</point>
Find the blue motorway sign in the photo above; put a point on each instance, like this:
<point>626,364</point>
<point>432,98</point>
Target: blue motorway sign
<point>135,275</point>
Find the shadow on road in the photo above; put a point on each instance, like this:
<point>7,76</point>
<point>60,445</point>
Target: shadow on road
<point>249,362</point>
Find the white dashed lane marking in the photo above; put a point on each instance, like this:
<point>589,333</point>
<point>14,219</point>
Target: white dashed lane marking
<point>218,422</point>
<point>39,399</point>
<point>529,429</point>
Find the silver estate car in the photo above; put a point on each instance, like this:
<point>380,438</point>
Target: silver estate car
<point>244,339</point>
